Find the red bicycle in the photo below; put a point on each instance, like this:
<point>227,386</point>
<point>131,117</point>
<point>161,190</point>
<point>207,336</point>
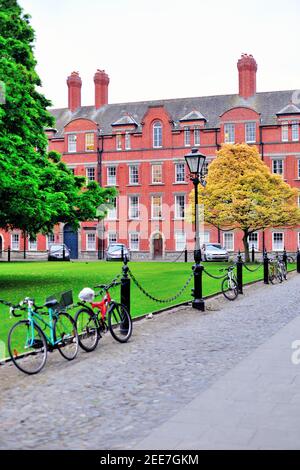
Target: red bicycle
<point>99,317</point>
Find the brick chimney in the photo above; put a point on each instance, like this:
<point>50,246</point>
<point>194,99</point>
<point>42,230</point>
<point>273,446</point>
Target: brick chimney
<point>101,80</point>
<point>247,68</point>
<point>74,91</point>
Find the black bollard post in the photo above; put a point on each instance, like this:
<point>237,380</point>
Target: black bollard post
<point>239,273</point>
<point>253,254</point>
<point>185,255</point>
<point>284,258</point>
<point>8,254</point>
<point>64,253</point>
<point>125,293</point>
<point>198,301</point>
<point>122,253</point>
<point>298,261</point>
<point>266,268</point>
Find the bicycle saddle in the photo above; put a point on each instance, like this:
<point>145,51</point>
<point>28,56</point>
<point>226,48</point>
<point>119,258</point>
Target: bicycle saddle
<point>50,303</point>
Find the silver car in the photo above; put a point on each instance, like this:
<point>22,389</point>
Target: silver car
<point>115,250</point>
<point>214,252</point>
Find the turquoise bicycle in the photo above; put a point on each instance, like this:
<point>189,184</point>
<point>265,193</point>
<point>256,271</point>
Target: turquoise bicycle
<point>30,340</point>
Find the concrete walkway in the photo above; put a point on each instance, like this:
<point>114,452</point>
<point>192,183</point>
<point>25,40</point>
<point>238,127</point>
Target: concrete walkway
<point>256,405</point>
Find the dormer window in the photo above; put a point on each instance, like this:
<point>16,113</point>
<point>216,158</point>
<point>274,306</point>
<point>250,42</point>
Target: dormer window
<point>295,130</point>
<point>187,136</point>
<point>284,132</point>
<point>157,134</point>
<point>229,133</point>
<point>72,143</point>
<point>197,137</point>
<point>89,142</point>
<point>119,142</point>
<point>250,132</point>
<point>127,141</point>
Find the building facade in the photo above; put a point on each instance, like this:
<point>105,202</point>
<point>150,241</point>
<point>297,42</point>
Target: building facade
<point>139,148</point>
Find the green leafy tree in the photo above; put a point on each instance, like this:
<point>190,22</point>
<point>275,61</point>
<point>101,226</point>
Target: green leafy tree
<point>37,190</point>
<point>242,193</point>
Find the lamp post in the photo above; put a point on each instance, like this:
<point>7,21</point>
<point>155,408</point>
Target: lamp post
<point>195,162</point>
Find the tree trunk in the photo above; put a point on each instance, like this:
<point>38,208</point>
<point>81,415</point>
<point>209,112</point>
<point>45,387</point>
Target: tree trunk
<point>246,246</point>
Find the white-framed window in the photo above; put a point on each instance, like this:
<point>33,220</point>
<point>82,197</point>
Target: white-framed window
<point>133,174</point>
<point>180,240</point>
<point>157,134</point>
<point>298,168</point>
<point>205,237</point>
<point>229,133</point>
<point>157,173</point>
<point>133,207</point>
<point>111,176</point>
<point>72,143</point>
<point>295,130</point>
<point>15,241</point>
<point>90,174</point>
<point>50,239</point>
<point>250,132</point>
<point>91,241</point>
<point>89,142</point>
<point>112,238</point>
<point>127,141</point>
<point>134,241</point>
<point>156,207</point>
<point>205,168</point>
<point>277,166</point>
<point>277,241</point>
<point>118,142</point>
<point>284,132</point>
<point>112,210</point>
<point>253,240</point>
<point>179,172</point>
<point>187,136</point>
<point>32,244</point>
<point>196,137</point>
<point>179,206</point>
<point>228,241</point>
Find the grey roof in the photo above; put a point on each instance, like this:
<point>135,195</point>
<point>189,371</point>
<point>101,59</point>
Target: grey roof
<point>125,121</point>
<point>266,104</point>
<point>193,116</point>
<point>291,108</point>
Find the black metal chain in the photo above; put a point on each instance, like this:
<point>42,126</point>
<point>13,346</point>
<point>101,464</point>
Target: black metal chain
<point>253,270</point>
<point>162,301</point>
<point>175,260</point>
<point>214,277</point>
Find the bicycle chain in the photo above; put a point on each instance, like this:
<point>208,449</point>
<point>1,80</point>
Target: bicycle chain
<point>170,299</point>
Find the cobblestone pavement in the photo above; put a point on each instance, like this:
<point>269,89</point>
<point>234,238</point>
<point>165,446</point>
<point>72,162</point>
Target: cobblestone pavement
<point>115,396</point>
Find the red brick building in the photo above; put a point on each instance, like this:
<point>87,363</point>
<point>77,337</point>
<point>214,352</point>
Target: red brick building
<point>140,147</point>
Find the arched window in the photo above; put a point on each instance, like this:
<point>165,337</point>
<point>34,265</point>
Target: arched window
<point>157,134</point>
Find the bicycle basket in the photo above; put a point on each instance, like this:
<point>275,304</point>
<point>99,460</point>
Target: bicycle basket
<point>64,299</point>
<point>87,295</point>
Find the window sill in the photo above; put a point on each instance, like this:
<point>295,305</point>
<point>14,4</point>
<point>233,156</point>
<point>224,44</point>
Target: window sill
<point>156,184</point>
<point>181,182</point>
<point>133,185</point>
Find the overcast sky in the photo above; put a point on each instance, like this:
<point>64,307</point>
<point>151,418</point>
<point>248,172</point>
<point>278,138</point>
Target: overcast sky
<point>164,48</point>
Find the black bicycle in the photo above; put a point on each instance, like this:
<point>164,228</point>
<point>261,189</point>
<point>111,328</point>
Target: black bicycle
<point>95,318</point>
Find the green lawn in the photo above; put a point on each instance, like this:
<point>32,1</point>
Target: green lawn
<point>41,279</point>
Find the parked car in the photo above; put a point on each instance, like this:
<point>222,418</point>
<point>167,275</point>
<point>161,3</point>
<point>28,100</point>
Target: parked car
<point>214,252</point>
<point>56,252</point>
<point>114,252</point>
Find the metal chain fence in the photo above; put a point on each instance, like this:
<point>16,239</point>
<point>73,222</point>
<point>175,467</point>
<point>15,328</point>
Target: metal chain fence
<point>214,277</point>
<point>155,299</point>
<point>253,270</point>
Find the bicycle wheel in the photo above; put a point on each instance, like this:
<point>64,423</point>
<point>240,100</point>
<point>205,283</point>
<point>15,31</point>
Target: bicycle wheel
<point>272,276</point>
<point>65,332</point>
<point>87,328</point>
<point>119,323</point>
<point>230,288</point>
<point>27,347</point>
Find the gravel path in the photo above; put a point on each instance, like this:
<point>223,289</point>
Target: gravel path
<point>112,398</point>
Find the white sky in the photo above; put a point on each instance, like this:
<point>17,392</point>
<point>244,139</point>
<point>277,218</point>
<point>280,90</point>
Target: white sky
<point>164,48</point>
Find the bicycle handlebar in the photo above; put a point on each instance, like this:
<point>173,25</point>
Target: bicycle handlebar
<point>106,287</point>
<point>229,268</point>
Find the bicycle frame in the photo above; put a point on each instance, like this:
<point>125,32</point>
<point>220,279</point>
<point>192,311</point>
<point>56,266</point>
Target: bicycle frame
<point>103,305</point>
<point>35,319</point>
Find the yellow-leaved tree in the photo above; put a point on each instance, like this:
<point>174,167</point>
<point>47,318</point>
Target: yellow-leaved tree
<point>242,193</point>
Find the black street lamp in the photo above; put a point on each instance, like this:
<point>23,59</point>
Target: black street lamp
<point>195,162</point>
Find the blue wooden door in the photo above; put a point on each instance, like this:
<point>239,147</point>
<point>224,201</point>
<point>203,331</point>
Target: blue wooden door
<point>71,240</point>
